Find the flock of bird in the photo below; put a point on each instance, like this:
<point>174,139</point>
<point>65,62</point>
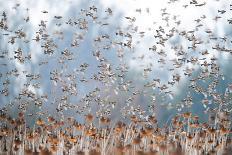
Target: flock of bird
<point>89,94</point>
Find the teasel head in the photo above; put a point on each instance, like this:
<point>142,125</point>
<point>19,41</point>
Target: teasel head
<point>211,130</point>
<point>160,138</point>
<point>70,120</point>
<point>17,141</point>
<point>195,118</point>
<point>6,131</point>
<point>210,141</point>
<point>218,146</point>
<point>30,136</point>
<point>134,118</point>
<point>136,140</point>
<point>50,119</point>
<point>212,152</point>
<point>187,114</point>
<point>90,131</point>
<point>224,131</point>
<point>89,118</point>
<point>72,139</point>
<point>56,124</point>
<point>152,119</point>
<point>149,130</point>
<point>142,133</point>
<point>119,127</point>
<point>190,137</point>
<point>40,122</point>
<point>20,122</point>
<point>68,145</point>
<point>194,125</point>
<point>21,115</point>
<point>9,119</point>
<point>53,149</point>
<point>104,120</point>
<point>15,148</point>
<point>3,115</point>
<point>205,126</point>
<point>179,124</point>
<point>78,126</point>
<point>68,129</point>
<point>60,123</point>
<point>53,139</point>
<point>202,134</point>
<point>13,122</point>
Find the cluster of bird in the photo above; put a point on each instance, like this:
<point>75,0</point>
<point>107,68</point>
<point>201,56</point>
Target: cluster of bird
<point>100,86</point>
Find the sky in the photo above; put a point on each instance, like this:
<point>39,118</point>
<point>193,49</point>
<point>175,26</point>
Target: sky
<point>148,19</point>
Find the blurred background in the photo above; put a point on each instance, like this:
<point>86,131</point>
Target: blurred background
<point>120,95</point>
